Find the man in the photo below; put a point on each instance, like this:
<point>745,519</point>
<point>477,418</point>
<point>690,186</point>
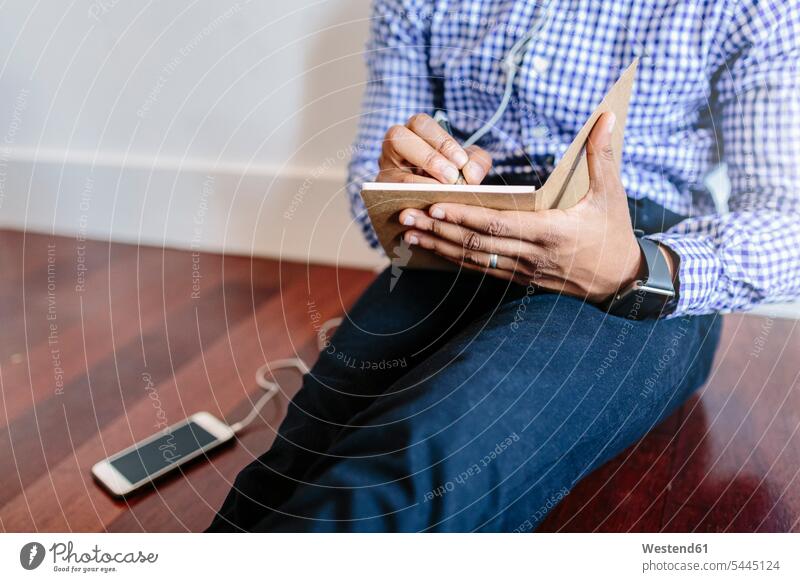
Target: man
<point>540,358</point>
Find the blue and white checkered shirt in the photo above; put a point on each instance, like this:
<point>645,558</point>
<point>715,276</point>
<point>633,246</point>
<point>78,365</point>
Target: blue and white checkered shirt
<point>719,81</point>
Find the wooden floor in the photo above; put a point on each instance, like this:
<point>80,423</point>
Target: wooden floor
<point>87,327</point>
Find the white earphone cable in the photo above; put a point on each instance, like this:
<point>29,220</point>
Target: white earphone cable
<point>510,64</point>
<point>271,387</point>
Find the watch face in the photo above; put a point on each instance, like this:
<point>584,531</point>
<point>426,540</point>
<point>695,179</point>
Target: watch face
<point>640,301</point>
<point>656,290</point>
<point>629,290</point>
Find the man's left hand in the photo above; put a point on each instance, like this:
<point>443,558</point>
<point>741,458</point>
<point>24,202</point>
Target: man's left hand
<point>588,251</point>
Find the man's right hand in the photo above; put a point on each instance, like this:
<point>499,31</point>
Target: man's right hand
<point>421,151</point>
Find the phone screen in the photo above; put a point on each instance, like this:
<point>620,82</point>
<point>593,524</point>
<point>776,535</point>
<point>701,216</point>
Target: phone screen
<point>166,450</point>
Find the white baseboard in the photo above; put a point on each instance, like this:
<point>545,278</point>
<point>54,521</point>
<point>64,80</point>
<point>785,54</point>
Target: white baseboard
<point>779,310</point>
<point>296,213</point>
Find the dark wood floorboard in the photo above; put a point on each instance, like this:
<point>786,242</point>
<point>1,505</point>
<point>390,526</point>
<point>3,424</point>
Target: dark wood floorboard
<point>75,363</point>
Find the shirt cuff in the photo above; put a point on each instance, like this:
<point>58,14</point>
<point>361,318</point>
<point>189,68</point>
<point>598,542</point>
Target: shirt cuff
<point>698,271</point>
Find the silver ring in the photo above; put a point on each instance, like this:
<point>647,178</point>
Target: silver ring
<point>493,261</point>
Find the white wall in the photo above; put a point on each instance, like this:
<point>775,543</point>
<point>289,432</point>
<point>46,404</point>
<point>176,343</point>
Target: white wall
<point>138,120</point>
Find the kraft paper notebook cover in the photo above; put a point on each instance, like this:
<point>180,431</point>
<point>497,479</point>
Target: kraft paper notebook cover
<point>566,185</point>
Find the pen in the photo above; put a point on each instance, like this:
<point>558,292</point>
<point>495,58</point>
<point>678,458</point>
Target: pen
<point>440,117</point>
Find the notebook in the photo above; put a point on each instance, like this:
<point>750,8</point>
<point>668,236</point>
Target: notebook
<point>566,185</point>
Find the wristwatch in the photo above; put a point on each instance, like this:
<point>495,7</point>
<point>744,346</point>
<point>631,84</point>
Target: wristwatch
<point>649,298</point>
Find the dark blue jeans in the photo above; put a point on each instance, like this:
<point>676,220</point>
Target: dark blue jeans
<point>455,402</point>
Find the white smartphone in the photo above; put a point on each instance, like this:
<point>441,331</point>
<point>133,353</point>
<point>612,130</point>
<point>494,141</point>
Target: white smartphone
<point>147,460</point>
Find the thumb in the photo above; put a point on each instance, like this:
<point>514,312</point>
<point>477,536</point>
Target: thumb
<point>603,173</point>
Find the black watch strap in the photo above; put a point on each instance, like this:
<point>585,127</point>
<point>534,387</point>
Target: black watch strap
<point>650,297</point>
<point>658,274</point>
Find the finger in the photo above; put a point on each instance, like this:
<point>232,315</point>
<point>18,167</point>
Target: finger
<point>406,147</point>
<point>499,273</point>
<point>600,155</point>
<point>499,223</point>
<point>480,162</point>
<point>456,252</point>
<point>425,127</point>
<point>471,240</point>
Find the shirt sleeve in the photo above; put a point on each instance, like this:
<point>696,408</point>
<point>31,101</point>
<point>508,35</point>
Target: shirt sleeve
<point>751,254</point>
<point>398,86</point>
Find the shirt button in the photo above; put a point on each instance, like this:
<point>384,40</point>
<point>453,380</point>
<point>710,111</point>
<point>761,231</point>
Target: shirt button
<point>539,131</point>
<point>644,57</point>
<point>539,64</point>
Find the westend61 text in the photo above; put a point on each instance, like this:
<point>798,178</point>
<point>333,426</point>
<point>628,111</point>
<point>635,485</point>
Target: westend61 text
<point>673,549</point>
